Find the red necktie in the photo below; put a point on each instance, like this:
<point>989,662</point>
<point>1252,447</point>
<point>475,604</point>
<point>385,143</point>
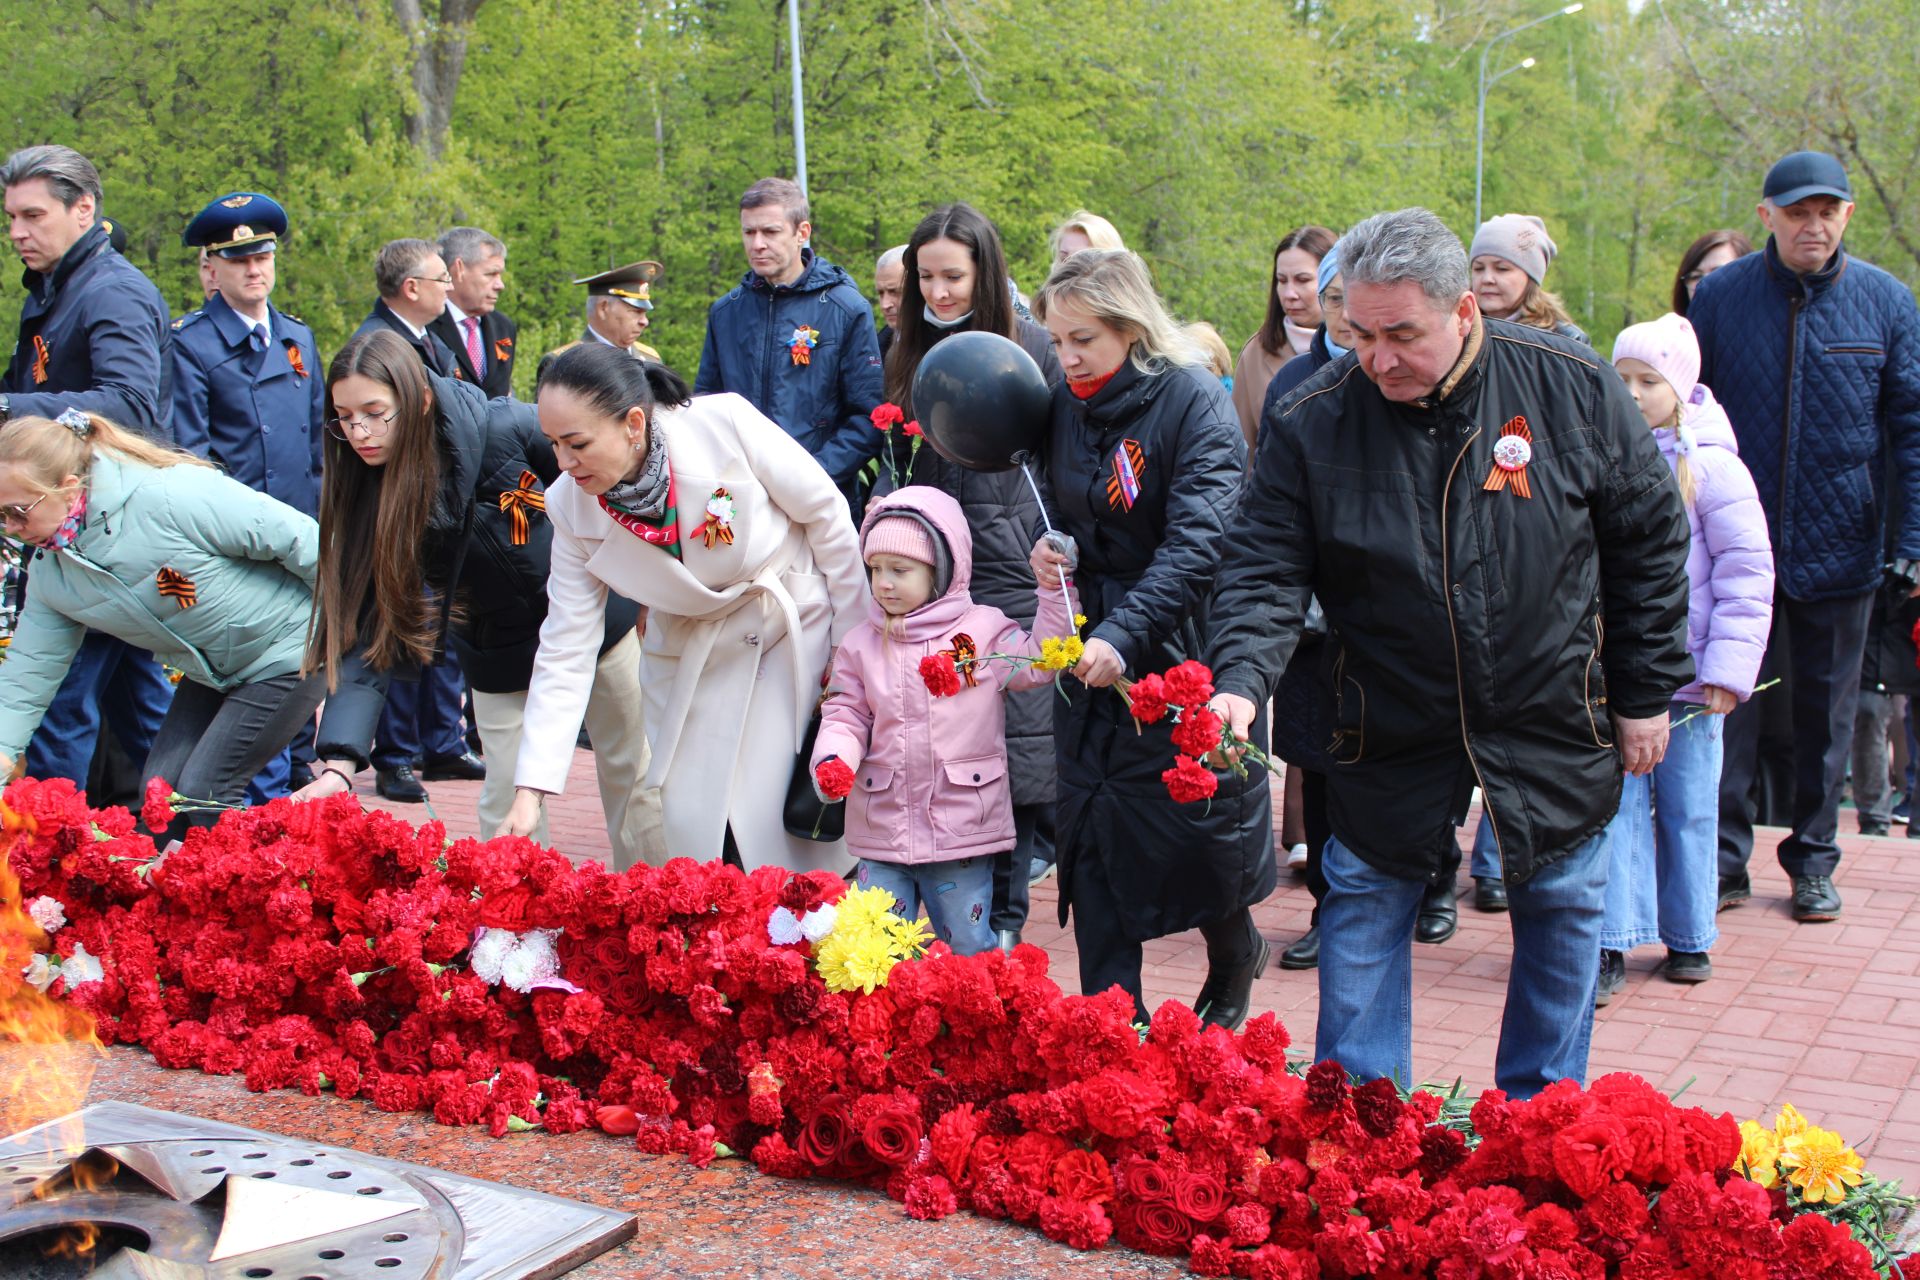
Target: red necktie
<point>472,324</point>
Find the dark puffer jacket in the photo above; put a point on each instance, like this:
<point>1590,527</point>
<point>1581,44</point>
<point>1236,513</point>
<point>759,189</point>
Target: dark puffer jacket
<point>487,448</point>
<point>1481,635</point>
<point>1005,522</point>
<point>1821,377</point>
<point>1148,554</point>
<point>825,403</point>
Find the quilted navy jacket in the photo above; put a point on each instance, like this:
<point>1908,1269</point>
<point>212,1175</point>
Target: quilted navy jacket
<point>825,403</point>
<point>1821,377</point>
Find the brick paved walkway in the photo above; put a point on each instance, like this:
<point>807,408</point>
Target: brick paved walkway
<point>1824,1016</point>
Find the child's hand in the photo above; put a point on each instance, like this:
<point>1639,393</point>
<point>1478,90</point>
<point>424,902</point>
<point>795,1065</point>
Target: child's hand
<point>1052,558</point>
<point>1718,701</point>
<point>832,780</point>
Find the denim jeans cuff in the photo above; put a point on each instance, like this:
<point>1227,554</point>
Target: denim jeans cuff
<point>1626,940</point>
<point>1694,945</point>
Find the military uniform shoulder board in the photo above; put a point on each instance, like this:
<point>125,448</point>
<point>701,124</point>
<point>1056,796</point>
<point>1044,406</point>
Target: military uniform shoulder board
<point>288,315</point>
<point>188,319</point>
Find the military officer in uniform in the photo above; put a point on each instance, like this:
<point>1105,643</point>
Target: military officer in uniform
<point>248,386</point>
<point>618,307</point>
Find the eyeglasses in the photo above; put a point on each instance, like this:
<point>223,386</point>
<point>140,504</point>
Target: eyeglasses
<point>446,279</point>
<point>18,514</point>
<point>1332,300</point>
<point>371,425</point>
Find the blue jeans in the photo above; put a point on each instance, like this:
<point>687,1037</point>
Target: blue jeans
<point>108,678</point>
<point>1663,881</point>
<point>958,897</point>
<point>1486,854</point>
<point>1366,969</point>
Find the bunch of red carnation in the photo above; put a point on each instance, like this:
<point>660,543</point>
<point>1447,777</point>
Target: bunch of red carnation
<point>324,948</point>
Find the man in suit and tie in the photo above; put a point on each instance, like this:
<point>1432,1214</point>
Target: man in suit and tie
<point>479,334</point>
<point>413,282</point>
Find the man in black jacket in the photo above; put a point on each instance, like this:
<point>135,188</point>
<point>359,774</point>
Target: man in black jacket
<point>413,282</point>
<point>1478,507</point>
<point>473,327</point>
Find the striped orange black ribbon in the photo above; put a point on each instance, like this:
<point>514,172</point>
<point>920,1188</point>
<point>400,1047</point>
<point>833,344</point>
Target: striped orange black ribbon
<point>178,587</point>
<point>517,502</point>
<point>40,358</point>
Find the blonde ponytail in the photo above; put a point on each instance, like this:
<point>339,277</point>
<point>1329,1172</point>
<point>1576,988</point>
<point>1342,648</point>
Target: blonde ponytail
<point>52,449</point>
<point>1682,457</point>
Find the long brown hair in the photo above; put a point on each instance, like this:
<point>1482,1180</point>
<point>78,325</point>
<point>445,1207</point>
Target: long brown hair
<point>373,520</point>
<point>1697,251</point>
<point>1316,240</point>
<point>992,300</point>
<point>1540,308</point>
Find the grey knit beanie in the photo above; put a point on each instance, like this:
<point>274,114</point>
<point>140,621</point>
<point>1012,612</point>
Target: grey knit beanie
<point>1521,239</point>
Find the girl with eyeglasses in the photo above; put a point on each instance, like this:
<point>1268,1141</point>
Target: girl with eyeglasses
<point>156,548</point>
<point>433,531</point>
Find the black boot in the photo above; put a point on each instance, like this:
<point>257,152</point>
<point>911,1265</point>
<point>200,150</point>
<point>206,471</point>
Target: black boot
<point>1304,953</point>
<point>1439,914</point>
<point>1236,955</point>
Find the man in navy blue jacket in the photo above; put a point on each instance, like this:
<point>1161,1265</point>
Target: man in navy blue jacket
<point>796,337</point>
<point>1816,356</point>
<point>93,336</point>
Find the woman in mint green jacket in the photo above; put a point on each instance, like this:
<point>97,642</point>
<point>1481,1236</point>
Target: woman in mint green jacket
<point>153,546</point>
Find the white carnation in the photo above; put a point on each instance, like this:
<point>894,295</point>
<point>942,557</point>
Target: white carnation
<point>517,970</point>
<point>818,923</point>
<point>80,968</point>
<point>783,927</point>
<point>47,913</point>
<point>39,973</point>
<point>538,945</point>
<point>490,952</point>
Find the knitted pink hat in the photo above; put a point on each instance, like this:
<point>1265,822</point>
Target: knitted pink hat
<point>1668,346</point>
<point>900,536</point>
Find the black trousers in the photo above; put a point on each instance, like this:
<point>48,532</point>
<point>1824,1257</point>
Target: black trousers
<point>1108,958</point>
<point>212,744</point>
<point>1012,868</point>
<point>1818,645</point>
<point>1313,816</point>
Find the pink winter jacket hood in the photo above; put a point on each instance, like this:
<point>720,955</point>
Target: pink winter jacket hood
<point>930,774</point>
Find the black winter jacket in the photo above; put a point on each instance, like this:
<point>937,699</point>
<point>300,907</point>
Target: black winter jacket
<point>1148,554</point>
<point>1482,636</point>
<point>487,448</point>
<point>1005,522</point>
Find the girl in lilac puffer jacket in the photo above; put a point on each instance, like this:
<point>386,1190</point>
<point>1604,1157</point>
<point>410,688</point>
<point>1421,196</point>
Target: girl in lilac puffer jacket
<point>930,804</point>
<point>1663,878</point>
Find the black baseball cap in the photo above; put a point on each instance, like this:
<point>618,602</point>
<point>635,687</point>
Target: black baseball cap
<point>1803,174</point>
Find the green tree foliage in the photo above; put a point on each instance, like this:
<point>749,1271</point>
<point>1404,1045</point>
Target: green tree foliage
<point>589,133</point>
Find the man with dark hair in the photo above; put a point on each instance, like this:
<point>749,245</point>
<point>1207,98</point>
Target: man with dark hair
<point>796,338</point>
<point>1816,357</point>
<point>93,336</point>
<point>413,283</point>
<point>473,326</point>
<point>420,723</point>
<point>1493,487</point>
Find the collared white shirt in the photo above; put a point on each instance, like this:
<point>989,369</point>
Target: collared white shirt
<point>603,338</point>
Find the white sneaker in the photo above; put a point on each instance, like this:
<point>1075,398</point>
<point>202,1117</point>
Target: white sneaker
<point>1297,857</point>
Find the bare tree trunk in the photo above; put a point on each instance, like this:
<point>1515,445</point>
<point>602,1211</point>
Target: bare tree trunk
<point>437,41</point>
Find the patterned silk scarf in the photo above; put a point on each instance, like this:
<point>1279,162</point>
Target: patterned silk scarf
<point>662,531</point>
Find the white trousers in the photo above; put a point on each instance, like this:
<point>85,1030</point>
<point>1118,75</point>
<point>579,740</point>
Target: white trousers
<point>616,724</point>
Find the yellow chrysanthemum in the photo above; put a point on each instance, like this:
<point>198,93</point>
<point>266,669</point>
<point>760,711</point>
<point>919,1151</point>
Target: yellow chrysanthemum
<point>1079,620</point>
<point>869,937</point>
<point>1053,655</point>
<point>1759,1154</point>
<point>1789,1122</point>
<point>1823,1166</point>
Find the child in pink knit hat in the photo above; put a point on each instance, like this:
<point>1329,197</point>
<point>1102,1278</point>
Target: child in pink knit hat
<point>1663,883</point>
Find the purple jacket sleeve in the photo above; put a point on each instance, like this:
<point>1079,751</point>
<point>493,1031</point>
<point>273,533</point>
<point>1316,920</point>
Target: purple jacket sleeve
<point>1739,584</point>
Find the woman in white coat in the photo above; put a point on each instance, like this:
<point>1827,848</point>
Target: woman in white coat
<point>743,553</point>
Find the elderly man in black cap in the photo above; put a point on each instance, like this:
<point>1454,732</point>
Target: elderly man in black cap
<point>1816,356</point>
<point>620,306</point>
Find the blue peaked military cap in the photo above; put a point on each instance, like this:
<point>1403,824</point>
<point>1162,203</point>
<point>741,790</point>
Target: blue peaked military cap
<point>239,224</point>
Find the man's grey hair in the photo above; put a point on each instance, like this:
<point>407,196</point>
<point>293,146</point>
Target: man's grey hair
<point>1407,244</point>
<point>470,245</point>
<point>891,258</point>
<point>397,261</point>
<point>69,174</point>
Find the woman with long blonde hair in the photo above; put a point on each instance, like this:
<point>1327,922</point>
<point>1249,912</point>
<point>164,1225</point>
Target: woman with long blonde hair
<point>152,546</point>
<point>1145,457</point>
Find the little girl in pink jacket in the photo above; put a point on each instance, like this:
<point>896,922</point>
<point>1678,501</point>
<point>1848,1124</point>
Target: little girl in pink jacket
<point>930,804</point>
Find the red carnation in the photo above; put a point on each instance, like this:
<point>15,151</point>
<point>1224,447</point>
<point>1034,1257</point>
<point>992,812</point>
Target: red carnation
<point>1074,1223</point>
<point>930,1198</point>
<point>1199,732</point>
<point>1377,1104</point>
<point>1189,685</point>
<point>911,429</point>
<point>834,778</point>
<point>1189,780</point>
<point>887,416</point>
<point>1082,1176</point>
<point>157,811</point>
<point>1147,699</point>
<point>942,677</point>
<point>1590,1153</point>
<point>1326,1085</point>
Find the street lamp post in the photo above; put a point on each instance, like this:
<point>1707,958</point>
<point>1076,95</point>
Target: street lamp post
<point>1480,109</point>
<point>799,102</point>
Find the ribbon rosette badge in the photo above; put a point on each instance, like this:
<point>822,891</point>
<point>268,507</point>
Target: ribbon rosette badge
<point>1511,454</point>
<point>804,340</point>
<point>718,526</point>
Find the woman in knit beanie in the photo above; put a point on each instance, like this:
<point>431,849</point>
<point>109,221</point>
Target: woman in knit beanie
<point>1511,254</point>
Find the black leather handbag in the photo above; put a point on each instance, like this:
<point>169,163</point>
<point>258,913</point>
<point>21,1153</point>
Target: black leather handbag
<point>804,816</point>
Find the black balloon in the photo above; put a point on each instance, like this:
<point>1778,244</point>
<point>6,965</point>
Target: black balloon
<point>982,402</point>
